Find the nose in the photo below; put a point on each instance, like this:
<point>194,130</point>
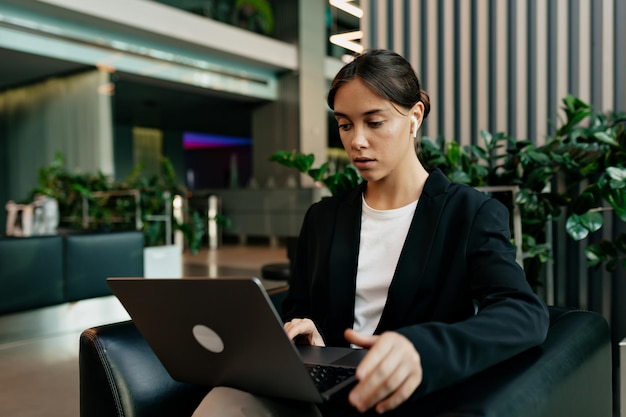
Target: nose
<point>358,138</point>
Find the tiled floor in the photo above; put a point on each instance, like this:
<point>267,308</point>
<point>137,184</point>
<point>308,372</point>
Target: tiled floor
<point>39,349</point>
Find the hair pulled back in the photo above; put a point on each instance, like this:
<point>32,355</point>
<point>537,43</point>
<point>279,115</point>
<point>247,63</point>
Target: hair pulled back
<point>387,74</point>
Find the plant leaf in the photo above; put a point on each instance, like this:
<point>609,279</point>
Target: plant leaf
<point>594,255</point>
<point>617,173</point>
<point>592,221</point>
<point>575,228</point>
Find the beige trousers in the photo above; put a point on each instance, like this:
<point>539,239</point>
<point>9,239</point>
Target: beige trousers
<point>231,402</point>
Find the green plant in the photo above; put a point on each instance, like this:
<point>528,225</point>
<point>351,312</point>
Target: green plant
<point>336,182</point>
<point>108,212</point>
<point>579,172</point>
<point>603,140</point>
<point>156,191</point>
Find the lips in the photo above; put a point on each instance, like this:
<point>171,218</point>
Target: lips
<point>363,162</point>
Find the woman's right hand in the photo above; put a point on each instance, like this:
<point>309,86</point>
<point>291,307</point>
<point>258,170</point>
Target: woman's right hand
<point>304,329</point>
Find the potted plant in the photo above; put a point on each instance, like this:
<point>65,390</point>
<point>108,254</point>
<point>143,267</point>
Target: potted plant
<point>580,171</point>
<point>95,202</point>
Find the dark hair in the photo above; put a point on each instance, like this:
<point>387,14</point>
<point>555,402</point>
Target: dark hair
<point>387,74</point>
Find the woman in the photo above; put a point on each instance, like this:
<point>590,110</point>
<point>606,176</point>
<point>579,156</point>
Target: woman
<point>416,269</point>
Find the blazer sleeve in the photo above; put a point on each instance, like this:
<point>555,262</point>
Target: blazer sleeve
<point>510,318</point>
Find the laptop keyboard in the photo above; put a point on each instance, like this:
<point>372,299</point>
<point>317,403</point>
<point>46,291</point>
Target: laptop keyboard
<point>326,377</point>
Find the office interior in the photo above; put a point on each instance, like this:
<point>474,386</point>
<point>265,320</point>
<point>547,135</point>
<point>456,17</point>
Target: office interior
<point>173,69</point>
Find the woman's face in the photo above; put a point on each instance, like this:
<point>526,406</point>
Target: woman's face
<point>376,136</point>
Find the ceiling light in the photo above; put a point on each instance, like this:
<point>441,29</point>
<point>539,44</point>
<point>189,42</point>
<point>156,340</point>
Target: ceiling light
<point>346,40</point>
<point>347,7</point>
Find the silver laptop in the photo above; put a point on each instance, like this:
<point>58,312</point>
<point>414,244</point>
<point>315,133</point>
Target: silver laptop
<point>225,331</point>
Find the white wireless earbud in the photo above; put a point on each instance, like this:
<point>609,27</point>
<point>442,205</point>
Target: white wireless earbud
<point>416,125</point>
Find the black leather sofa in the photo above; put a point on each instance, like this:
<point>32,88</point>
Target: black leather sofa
<point>31,273</point>
<point>45,270</point>
<point>568,375</point>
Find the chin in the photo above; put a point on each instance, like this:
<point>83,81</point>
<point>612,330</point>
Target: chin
<point>370,176</point>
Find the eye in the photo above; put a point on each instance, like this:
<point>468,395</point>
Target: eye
<point>345,126</point>
<point>375,124</point>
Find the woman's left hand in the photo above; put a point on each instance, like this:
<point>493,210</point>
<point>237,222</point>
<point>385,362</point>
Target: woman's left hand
<point>388,375</point>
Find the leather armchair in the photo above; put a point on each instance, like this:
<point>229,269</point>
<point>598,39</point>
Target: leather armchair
<point>568,375</point>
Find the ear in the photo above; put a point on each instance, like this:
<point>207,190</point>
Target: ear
<point>416,117</point>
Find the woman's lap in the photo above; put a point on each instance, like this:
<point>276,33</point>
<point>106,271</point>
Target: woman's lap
<point>231,402</point>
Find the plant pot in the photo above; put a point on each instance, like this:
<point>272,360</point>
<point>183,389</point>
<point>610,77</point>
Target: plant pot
<point>163,261</point>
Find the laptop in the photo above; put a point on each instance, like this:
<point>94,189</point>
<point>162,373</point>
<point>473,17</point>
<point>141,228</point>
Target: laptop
<point>226,331</point>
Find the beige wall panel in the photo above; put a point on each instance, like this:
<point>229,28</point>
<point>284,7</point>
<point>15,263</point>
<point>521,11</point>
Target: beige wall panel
<point>448,71</point>
<point>584,63</point>
<point>501,77</point>
<point>482,67</point>
<point>562,56</point>
<point>398,26</point>
<point>382,20</point>
<point>415,13</point>
<point>541,93</point>
<point>608,59</point>
<point>431,84</point>
<point>464,95</point>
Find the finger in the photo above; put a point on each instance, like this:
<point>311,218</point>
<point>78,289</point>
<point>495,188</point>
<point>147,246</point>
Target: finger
<point>379,350</point>
<point>298,327</point>
<point>388,374</point>
<point>359,339</point>
<point>304,328</point>
<point>371,373</point>
<point>400,395</point>
<point>406,378</point>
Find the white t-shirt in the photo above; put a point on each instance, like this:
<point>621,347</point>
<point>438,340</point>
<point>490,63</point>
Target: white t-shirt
<point>383,233</point>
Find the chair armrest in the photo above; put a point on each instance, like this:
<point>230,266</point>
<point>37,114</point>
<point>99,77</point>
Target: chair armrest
<point>120,376</point>
<point>568,375</point>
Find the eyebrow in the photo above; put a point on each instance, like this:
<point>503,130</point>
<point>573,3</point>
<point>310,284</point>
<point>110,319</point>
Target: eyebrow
<point>367,113</point>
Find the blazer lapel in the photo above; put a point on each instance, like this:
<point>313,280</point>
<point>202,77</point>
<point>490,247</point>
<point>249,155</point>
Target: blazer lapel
<point>343,260</point>
<point>415,252</point>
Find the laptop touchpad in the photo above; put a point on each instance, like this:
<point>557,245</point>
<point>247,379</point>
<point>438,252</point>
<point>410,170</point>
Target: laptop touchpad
<point>331,355</point>
<point>352,359</point>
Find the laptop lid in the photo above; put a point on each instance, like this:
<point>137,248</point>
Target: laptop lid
<point>223,331</point>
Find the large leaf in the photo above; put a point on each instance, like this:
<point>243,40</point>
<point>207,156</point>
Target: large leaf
<point>592,220</point>
<point>318,174</point>
<point>453,152</point>
<point>617,173</point>
<point>575,228</point>
<point>616,197</point>
<point>579,227</point>
<point>607,136</point>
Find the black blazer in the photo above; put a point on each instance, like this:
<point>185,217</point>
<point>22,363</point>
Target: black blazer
<point>457,255</point>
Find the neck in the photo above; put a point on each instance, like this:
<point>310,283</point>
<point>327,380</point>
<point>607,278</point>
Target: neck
<point>397,191</point>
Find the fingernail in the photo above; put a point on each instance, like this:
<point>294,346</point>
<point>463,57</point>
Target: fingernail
<point>355,401</point>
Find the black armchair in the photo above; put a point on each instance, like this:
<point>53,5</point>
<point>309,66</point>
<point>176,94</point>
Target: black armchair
<point>568,375</point>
